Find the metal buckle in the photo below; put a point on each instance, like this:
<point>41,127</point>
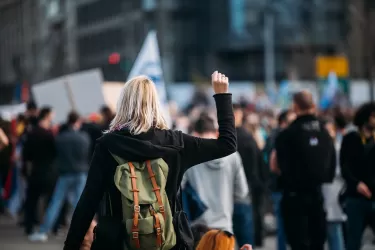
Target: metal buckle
<point>135,235</point>
<point>137,209</point>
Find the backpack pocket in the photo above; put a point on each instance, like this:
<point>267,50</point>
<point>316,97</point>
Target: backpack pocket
<point>147,232</point>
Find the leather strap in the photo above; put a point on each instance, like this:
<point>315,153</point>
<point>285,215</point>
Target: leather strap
<point>135,230</point>
<point>157,227</point>
<point>156,188</point>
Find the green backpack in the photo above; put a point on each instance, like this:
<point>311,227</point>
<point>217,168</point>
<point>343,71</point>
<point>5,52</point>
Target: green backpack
<point>146,211</point>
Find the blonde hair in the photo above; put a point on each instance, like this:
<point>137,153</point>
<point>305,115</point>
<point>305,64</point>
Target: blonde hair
<point>138,107</point>
<point>216,240</point>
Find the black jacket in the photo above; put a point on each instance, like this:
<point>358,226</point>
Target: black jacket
<point>306,155</point>
<point>274,185</point>
<point>251,159</point>
<point>180,151</point>
<point>357,160</point>
<point>40,150</point>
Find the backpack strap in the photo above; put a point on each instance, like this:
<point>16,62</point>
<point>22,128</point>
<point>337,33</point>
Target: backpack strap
<point>156,188</point>
<point>157,227</point>
<point>137,208</point>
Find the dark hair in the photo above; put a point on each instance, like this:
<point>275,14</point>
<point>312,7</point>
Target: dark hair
<point>21,118</point>
<point>304,100</point>
<point>363,114</point>
<point>236,106</point>
<point>106,110</point>
<point>44,112</point>
<point>340,121</point>
<point>283,117</point>
<point>31,105</point>
<point>204,124</point>
<point>72,118</point>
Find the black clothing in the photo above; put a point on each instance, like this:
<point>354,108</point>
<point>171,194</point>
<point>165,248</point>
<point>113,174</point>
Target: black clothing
<point>35,190</point>
<point>72,152</point>
<point>248,150</point>
<point>5,162</point>
<point>304,220</point>
<point>274,185</point>
<point>306,155</point>
<point>254,170</point>
<point>179,151</point>
<point>94,131</point>
<point>40,150</point>
<point>357,159</point>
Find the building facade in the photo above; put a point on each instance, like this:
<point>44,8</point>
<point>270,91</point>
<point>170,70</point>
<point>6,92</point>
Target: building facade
<point>44,39</point>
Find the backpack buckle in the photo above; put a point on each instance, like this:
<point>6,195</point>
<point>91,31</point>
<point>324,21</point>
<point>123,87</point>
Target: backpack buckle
<point>135,235</point>
<point>158,231</point>
<point>161,208</point>
<point>137,208</point>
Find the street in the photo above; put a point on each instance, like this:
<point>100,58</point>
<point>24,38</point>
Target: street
<point>12,238</point>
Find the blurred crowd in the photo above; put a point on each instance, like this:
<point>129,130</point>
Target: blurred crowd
<point>43,169</point>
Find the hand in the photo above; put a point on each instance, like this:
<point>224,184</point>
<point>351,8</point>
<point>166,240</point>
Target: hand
<point>220,83</point>
<point>246,247</point>
<point>364,190</point>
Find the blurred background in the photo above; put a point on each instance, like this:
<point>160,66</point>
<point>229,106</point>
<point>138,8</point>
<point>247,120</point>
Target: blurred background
<point>253,41</point>
<point>268,48</point>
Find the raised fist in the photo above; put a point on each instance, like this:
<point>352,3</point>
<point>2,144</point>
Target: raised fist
<point>220,83</point>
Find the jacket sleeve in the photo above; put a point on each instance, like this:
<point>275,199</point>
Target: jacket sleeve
<point>348,159</point>
<point>88,203</point>
<point>198,150</point>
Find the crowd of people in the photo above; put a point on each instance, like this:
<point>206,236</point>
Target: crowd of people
<point>313,169</point>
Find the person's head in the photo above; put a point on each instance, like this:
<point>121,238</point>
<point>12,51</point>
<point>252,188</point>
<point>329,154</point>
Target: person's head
<point>205,127</point>
<point>74,121</point>
<point>217,240</point>
<point>303,103</point>
<point>106,113</point>
<point>285,118</point>
<point>238,115</point>
<point>45,117</point>
<point>340,121</point>
<point>31,109</point>
<point>138,107</point>
<point>364,118</point>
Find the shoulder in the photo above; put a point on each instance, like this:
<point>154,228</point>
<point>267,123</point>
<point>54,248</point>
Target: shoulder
<point>351,137</point>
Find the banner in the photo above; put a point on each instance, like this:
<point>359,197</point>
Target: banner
<point>81,91</point>
<point>148,63</point>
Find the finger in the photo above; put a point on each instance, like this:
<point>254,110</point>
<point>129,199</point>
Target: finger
<point>213,76</point>
<point>223,78</point>
<point>216,76</point>
<point>219,77</point>
<point>226,80</point>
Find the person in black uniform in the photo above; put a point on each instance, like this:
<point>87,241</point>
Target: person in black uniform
<point>305,158</point>
<point>357,160</point>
